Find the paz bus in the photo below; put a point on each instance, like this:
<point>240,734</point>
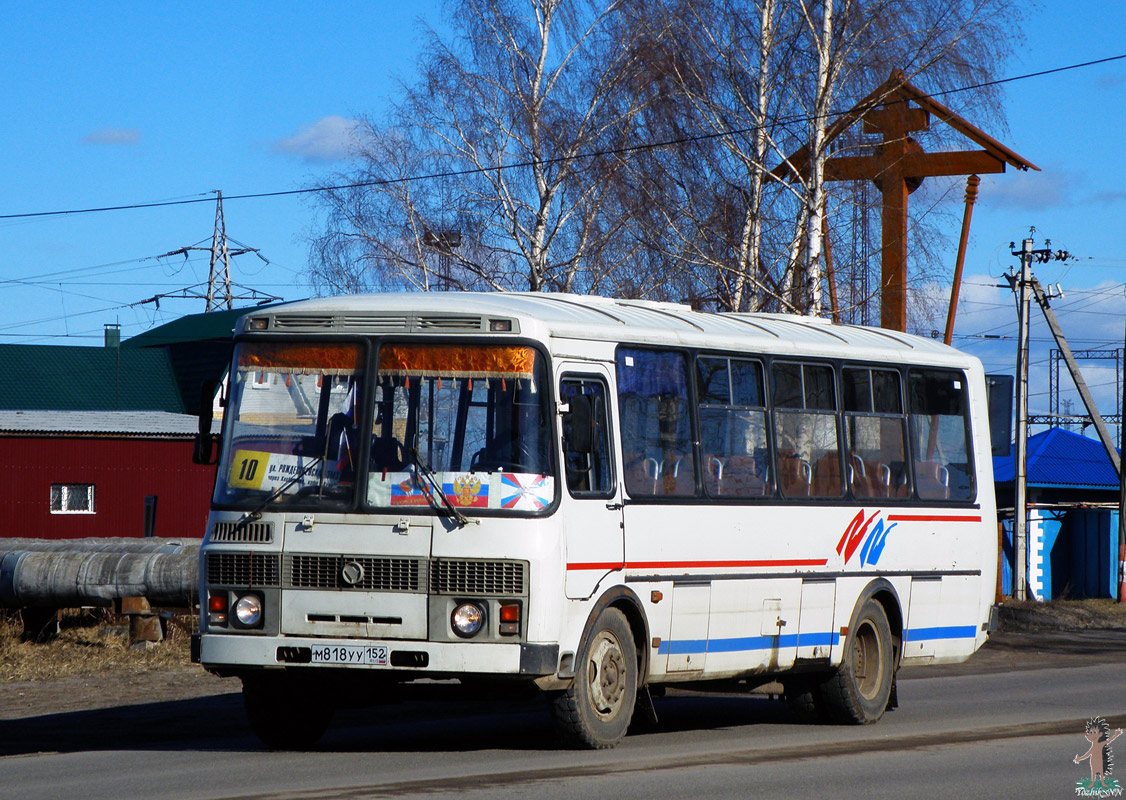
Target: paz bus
<point>592,498</point>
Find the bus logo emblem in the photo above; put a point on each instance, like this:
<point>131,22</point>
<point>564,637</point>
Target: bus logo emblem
<point>352,573</point>
<point>861,532</point>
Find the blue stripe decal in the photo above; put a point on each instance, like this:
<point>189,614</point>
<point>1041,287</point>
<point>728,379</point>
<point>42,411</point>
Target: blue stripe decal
<point>685,647</point>
<point>948,632</point>
<point>695,646</point>
<point>817,639</point>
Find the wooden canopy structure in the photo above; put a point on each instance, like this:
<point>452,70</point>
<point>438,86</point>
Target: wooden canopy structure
<point>894,110</point>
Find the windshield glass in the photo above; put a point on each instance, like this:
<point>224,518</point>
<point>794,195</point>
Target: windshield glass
<point>476,416</point>
<point>291,435</point>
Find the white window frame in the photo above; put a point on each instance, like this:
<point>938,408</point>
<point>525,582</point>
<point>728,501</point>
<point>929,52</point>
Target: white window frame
<point>65,490</point>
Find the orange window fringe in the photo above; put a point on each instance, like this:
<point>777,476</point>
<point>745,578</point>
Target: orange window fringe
<point>305,359</point>
<point>457,361</point>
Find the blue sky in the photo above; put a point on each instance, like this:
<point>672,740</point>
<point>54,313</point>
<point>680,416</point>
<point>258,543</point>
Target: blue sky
<point>113,103</point>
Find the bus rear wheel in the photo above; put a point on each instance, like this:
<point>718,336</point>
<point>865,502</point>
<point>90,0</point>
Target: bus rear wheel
<point>595,711</point>
<point>859,691</point>
<point>285,712</point>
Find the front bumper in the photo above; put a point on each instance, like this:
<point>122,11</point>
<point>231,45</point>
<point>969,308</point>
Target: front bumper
<point>234,653</point>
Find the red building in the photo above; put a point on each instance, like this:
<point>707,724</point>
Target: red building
<point>77,474</point>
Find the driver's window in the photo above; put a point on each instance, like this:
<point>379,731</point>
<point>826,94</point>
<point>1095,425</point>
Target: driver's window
<point>589,474</point>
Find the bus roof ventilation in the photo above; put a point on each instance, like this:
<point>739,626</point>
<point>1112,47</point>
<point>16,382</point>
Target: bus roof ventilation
<point>381,323</point>
<point>286,321</point>
<point>464,323</point>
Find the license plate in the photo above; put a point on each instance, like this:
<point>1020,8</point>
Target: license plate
<point>367,655</point>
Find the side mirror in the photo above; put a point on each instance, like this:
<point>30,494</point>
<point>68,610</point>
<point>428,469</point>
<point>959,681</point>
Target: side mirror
<point>578,425</point>
<point>999,391</point>
<point>204,450</point>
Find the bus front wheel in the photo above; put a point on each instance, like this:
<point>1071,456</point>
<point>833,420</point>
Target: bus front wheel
<point>284,711</point>
<point>595,712</point>
<point>858,692</point>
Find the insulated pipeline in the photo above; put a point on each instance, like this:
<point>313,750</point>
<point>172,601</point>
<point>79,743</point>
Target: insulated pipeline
<point>53,578</point>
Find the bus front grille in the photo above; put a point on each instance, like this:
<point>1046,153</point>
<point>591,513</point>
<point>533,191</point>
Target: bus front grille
<point>242,569</point>
<point>447,576</point>
<point>256,532</point>
<point>366,573</point>
<point>465,576</point>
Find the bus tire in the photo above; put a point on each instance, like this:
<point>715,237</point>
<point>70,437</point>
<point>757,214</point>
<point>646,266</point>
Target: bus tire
<point>595,711</point>
<point>858,692</point>
<point>285,713</point>
<point>803,698</point>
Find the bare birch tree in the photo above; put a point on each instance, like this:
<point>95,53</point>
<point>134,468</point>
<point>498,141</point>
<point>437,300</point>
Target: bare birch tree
<point>941,46</point>
<point>626,148</point>
<point>488,170</point>
<point>773,80</point>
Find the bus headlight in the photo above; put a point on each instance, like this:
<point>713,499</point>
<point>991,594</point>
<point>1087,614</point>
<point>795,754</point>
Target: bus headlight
<point>248,610</point>
<point>467,620</point>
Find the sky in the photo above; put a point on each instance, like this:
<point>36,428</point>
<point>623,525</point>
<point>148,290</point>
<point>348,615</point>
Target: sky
<point>114,103</point>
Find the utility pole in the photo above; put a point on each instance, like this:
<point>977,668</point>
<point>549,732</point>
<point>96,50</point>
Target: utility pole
<point>1122,499</point>
<point>1020,515</point>
<point>1022,285</point>
<point>1097,420</point>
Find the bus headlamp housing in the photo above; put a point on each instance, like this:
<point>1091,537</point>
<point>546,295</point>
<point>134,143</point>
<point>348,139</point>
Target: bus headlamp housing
<point>467,620</point>
<point>248,611</point>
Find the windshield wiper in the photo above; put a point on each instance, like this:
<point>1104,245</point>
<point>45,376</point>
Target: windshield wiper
<point>446,505</point>
<point>256,513</point>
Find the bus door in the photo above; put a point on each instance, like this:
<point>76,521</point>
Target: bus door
<point>592,507</point>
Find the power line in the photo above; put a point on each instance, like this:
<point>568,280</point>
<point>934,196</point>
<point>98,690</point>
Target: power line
<point>542,162</point>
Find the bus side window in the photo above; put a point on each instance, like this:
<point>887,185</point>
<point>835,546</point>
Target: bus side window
<point>655,421</point>
<point>940,435</point>
<point>805,428</point>
<point>875,433</point>
<point>733,441</point>
<point>588,470</point>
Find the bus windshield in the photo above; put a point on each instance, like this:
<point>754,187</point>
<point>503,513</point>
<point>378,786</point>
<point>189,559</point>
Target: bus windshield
<point>475,417</point>
<point>291,435</point>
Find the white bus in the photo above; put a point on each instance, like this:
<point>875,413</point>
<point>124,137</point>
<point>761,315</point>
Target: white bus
<point>592,497</point>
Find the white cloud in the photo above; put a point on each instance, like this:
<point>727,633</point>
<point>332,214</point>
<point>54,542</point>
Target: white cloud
<point>113,136</point>
<point>1028,191</point>
<point>331,138</point>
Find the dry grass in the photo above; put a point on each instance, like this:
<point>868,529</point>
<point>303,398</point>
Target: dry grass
<point>89,642</point>
<point>1063,615</point>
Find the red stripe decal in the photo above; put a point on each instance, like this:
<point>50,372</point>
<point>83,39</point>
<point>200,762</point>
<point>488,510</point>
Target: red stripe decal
<point>786,562</point>
<point>929,518</point>
<point>664,565</point>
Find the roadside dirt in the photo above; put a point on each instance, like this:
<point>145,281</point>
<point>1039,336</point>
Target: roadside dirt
<point>1034,635</point>
<point>90,667</point>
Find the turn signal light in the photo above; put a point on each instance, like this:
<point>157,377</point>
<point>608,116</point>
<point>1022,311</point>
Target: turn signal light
<point>217,603</point>
<point>509,620</point>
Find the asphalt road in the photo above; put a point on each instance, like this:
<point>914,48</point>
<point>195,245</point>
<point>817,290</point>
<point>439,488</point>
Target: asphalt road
<point>975,732</point>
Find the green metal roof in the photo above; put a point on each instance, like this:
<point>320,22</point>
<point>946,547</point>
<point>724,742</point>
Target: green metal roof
<point>87,379</point>
<point>210,326</point>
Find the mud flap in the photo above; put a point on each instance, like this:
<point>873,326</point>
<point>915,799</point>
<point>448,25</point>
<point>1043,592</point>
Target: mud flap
<point>645,711</point>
